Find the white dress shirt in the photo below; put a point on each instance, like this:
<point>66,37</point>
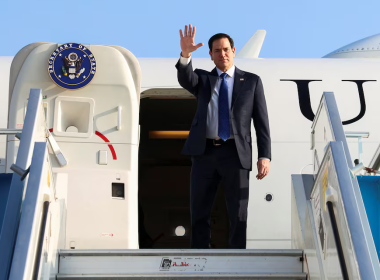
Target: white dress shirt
<point>213,106</point>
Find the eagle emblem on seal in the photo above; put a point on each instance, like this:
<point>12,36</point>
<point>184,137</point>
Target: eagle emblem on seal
<point>72,66</point>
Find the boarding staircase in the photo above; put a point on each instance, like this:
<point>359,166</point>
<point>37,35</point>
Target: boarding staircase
<point>30,251</point>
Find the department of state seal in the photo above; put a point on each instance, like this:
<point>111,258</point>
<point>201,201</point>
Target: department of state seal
<point>72,66</point>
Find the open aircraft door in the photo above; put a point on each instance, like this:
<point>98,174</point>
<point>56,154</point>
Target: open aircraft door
<point>90,95</point>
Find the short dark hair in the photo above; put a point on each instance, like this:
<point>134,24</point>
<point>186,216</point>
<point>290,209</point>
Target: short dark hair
<point>220,36</point>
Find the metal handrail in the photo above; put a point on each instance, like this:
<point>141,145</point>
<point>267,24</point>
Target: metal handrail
<point>11,131</point>
<point>359,135</point>
<point>28,247</point>
<point>15,198</point>
<point>357,221</point>
<point>356,134</point>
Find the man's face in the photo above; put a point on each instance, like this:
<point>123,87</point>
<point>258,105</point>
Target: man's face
<point>222,54</point>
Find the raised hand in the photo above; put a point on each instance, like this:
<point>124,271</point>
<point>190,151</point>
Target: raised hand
<point>187,41</point>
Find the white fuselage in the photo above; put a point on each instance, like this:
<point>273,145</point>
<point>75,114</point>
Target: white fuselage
<point>269,222</point>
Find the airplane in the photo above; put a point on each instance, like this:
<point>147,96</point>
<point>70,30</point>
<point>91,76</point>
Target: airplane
<point>142,169</point>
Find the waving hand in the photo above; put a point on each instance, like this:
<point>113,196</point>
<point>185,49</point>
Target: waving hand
<point>187,41</point>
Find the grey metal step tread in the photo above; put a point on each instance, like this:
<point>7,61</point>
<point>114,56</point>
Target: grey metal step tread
<point>182,252</point>
<point>214,264</point>
<point>209,276</point>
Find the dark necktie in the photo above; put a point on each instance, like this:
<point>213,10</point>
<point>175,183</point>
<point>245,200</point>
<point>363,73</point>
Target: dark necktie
<point>224,110</point>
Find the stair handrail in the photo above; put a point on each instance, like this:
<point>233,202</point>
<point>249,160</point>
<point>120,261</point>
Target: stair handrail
<point>31,133</point>
<point>9,131</point>
<point>361,236</point>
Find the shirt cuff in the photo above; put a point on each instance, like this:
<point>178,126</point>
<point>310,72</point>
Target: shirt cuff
<point>184,61</point>
<point>264,158</point>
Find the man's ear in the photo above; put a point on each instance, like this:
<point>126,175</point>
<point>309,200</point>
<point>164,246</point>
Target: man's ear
<point>210,55</point>
<point>234,51</point>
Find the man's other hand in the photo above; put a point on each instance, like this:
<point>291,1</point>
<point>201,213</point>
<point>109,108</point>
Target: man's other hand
<point>263,166</point>
<point>187,41</point>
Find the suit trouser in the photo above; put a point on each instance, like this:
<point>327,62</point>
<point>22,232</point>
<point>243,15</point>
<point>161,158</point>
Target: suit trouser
<point>218,163</point>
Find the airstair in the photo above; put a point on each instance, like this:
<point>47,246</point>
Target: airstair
<point>37,255</point>
<point>335,209</point>
<point>53,221</point>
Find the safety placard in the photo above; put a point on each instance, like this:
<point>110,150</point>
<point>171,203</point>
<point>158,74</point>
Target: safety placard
<point>182,264</point>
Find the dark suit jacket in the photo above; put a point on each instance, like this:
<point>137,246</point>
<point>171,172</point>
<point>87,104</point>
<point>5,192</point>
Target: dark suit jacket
<point>248,101</point>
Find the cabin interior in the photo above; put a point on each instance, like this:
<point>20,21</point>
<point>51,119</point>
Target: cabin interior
<point>164,174</point>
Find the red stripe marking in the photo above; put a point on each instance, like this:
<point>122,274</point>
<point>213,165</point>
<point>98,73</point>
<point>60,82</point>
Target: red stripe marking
<point>105,139</point>
<point>102,136</point>
<point>112,152</point>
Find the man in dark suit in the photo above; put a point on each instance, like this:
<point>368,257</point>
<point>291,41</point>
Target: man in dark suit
<point>220,136</point>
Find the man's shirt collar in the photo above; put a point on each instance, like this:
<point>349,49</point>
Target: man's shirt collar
<point>230,72</point>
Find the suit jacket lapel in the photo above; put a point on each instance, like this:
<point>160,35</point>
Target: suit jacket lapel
<point>213,78</point>
<point>239,81</point>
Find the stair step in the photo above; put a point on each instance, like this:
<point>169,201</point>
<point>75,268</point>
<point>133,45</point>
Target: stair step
<point>181,263</point>
<point>181,252</point>
<point>209,276</point>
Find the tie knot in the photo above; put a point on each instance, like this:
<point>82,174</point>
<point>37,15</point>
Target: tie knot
<point>223,75</point>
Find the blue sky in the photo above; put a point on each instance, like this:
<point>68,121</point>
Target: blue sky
<point>150,28</point>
